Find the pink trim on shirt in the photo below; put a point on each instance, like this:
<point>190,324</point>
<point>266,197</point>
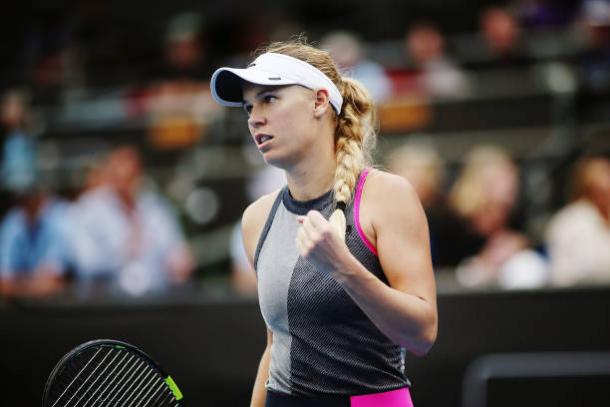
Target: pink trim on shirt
<point>357,198</point>
<point>394,398</point>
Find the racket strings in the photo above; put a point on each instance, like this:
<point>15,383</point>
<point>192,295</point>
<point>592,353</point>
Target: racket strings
<point>91,390</point>
<point>105,378</point>
<point>111,377</point>
<point>142,393</point>
<point>74,370</point>
<point>78,392</point>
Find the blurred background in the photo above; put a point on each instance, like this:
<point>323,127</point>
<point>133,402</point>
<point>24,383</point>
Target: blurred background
<point>122,184</point>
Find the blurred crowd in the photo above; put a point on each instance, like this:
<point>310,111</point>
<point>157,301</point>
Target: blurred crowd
<point>117,229</point>
<point>475,226</point>
<point>118,234</point>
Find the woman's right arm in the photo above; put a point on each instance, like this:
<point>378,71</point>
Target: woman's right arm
<point>259,393</point>
<point>252,224</point>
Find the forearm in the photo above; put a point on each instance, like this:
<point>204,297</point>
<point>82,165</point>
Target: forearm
<point>5,288</point>
<point>406,319</point>
<point>45,280</point>
<point>259,393</point>
<point>15,287</point>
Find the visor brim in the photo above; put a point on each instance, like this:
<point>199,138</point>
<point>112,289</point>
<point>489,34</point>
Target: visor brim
<point>227,83</point>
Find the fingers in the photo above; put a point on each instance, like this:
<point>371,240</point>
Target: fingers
<point>307,241</point>
<point>314,233</point>
<point>316,220</point>
<point>303,243</point>
<point>307,237</point>
<point>316,227</point>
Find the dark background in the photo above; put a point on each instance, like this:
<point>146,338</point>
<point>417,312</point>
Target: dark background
<point>211,344</point>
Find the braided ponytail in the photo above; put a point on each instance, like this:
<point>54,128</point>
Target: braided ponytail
<point>354,139</point>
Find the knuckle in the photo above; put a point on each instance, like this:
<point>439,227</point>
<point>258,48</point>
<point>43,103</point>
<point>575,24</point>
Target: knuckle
<point>325,233</point>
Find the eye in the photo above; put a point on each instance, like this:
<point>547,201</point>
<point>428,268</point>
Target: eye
<point>268,98</point>
<point>247,108</point>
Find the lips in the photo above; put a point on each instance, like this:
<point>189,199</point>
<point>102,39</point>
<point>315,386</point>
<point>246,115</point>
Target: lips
<point>262,138</point>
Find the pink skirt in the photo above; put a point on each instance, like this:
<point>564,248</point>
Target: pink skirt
<point>393,398</point>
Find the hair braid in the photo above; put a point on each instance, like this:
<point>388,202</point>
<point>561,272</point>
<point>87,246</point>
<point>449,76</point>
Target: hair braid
<point>354,136</point>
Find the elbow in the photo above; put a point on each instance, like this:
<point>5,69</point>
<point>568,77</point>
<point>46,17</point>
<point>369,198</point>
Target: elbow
<point>423,345</point>
<point>423,342</point>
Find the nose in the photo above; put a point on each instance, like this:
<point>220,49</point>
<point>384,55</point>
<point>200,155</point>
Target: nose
<point>256,119</point>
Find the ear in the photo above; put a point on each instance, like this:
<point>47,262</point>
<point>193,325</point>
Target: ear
<point>321,103</point>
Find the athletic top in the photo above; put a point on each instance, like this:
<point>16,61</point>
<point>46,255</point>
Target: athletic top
<point>323,343</point>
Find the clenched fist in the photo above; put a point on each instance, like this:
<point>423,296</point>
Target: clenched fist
<point>320,243</point>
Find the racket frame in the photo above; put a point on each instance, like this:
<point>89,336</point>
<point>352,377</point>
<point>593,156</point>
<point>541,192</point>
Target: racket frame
<point>116,344</point>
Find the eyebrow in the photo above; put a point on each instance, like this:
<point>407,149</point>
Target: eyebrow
<point>263,91</point>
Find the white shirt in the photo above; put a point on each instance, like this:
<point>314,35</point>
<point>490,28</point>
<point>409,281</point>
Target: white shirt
<point>578,240</point>
<point>105,243</point>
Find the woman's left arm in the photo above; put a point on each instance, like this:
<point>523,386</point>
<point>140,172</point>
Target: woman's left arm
<point>404,310</point>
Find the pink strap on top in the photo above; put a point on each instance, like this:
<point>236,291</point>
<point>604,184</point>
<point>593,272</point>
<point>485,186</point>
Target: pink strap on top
<point>357,198</point>
<point>394,398</point>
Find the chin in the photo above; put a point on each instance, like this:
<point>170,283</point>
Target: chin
<point>276,161</point>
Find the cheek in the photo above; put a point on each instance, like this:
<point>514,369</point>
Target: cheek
<point>294,119</point>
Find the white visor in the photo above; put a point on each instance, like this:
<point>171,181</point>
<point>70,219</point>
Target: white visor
<point>274,70</point>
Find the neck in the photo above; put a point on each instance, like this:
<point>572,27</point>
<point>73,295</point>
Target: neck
<point>310,180</point>
<point>127,196</point>
<point>34,208</point>
<point>313,173</point>
<point>604,210</point>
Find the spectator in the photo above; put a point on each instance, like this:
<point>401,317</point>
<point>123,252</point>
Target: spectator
<point>437,75</point>
<point>34,250</point>
<point>180,103</point>
<point>578,236</point>
<point>421,164</point>
<point>127,235</point>
<point>349,54</point>
<point>502,40</point>
<point>595,61</point>
<point>478,236</point>
<point>184,47</point>
<point>19,153</point>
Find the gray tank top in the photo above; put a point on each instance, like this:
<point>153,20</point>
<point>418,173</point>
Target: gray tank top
<point>323,343</point>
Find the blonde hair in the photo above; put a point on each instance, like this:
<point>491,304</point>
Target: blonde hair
<point>355,134</point>
<point>587,172</point>
<point>420,162</point>
<point>470,194</point>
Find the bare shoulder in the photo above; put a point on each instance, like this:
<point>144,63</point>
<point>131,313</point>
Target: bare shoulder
<point>253,220</point>
<point>388,201</point>
<point>386,191</point>
<point>258,210</point>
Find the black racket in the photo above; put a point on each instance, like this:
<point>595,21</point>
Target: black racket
<point>109,373</point>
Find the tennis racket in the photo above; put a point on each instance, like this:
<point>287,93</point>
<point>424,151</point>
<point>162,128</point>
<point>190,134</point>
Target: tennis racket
<point>109,373</point>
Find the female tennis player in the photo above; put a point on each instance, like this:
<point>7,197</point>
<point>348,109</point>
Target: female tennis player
<point>341,253</point>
